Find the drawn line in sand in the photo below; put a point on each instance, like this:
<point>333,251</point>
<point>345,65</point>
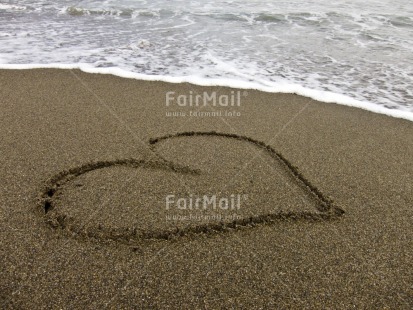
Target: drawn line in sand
<point>326,208</point>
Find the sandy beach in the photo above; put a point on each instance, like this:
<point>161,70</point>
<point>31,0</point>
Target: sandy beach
<point>100,177</point>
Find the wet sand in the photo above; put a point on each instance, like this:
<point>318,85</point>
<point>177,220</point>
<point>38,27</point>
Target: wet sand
<point>320,216</point>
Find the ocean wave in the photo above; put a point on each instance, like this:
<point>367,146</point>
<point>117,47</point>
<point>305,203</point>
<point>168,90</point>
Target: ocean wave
<point>10,7</point>
<point>77,11</point>
<point>401,21</point>
<point>118,12</point>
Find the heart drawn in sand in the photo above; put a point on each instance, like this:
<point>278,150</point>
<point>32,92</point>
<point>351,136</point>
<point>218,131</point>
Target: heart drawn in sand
<point>200,182</point>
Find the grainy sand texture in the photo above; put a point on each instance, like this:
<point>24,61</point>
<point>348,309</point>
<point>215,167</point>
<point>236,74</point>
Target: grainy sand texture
<point>113,198</point>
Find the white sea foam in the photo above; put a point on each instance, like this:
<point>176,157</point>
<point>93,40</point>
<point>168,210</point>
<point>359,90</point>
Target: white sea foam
<point>4,6</point>
<point>324,96</point>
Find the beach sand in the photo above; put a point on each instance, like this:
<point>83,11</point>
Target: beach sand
<point>324,216</point>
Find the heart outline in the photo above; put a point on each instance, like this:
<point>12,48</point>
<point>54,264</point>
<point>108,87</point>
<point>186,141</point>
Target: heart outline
<point>326,208</point>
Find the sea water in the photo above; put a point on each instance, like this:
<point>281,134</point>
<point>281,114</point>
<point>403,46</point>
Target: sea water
<point>354,52</point>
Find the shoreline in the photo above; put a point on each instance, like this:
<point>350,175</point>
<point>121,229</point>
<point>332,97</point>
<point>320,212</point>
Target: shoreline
<point>109,139</point>
<point>319,95</point>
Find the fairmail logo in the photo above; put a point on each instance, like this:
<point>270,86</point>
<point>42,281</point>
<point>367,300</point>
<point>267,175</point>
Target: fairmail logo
<point>204,202</point>
<point>233,99</point>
